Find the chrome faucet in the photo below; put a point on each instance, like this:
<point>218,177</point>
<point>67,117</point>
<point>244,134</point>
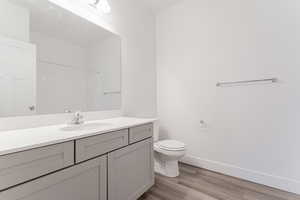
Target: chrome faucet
<point>77,118</point>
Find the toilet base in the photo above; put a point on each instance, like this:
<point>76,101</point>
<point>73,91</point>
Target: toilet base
<point>167,168</point>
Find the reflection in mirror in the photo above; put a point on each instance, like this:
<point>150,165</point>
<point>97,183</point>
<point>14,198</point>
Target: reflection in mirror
<point>53,61</point>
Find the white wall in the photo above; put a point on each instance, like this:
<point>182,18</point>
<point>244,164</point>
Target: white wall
<point>14,21</point>
<point>251,131</point>
<point>136,26</point>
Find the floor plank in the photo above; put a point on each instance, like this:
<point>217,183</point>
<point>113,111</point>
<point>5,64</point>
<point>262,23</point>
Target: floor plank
<point>200,184</point>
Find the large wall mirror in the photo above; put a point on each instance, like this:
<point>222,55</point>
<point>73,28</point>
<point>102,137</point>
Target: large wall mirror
<point>53,61</point>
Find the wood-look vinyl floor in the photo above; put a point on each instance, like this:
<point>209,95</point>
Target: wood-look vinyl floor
<point>200,184</point>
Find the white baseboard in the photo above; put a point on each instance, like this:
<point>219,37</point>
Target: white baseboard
<point>281,183</point>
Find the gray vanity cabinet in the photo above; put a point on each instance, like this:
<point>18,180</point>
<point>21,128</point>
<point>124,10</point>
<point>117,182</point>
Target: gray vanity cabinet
<point>109,166</point>
<point>130,171</point>
<point>86,181</point>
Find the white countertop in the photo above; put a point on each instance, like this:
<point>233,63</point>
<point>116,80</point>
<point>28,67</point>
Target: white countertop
<point>25,139</point>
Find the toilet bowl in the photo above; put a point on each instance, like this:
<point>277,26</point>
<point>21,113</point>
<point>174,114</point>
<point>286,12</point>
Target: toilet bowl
<point>166,155</point>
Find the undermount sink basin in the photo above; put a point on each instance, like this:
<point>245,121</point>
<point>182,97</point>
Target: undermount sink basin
<point>83,127</point>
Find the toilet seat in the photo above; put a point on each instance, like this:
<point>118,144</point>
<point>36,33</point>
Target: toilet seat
<point>170,145</point>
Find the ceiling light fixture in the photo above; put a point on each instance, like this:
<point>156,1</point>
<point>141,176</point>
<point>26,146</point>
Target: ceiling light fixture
<point>102,5</point>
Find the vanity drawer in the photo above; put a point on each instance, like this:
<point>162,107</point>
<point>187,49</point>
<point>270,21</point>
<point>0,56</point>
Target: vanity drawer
<point>20,167</point>
<point>94,146</point>
<point>140,133</point>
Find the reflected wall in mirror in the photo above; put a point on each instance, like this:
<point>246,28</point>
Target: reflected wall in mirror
<point>53,61</point>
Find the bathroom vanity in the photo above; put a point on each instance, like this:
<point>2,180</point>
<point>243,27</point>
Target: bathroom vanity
<point>108,159</point>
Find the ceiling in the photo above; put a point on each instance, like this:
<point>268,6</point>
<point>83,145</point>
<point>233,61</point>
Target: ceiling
<point>158,5</point>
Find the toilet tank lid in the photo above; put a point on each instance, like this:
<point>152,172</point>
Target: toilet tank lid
<point>171,145</point>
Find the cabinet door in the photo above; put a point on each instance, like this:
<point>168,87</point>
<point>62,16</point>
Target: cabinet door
<point>87,181</point>
<point>130,171</point>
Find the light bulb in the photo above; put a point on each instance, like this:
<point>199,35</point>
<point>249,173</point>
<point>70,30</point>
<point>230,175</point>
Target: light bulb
<point>104,6</point>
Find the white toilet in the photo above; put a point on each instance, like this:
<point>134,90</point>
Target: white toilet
<point>166,155</point>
